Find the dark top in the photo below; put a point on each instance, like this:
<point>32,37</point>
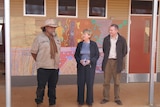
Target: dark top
<point>121,49</point>
<point>94,54</point>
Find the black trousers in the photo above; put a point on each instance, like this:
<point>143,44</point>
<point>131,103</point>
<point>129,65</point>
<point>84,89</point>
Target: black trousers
<point>45,76</point>
<point>85,75</point>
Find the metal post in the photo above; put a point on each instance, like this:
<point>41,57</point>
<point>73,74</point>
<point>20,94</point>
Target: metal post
<point>7,52</point>
<point>153,50</point>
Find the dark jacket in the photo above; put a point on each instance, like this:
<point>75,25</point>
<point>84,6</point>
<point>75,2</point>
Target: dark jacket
<point>121,49</point>
<point>94,54</point>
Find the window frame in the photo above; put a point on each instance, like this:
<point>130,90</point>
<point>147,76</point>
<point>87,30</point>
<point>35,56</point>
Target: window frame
<point>106,9</point>
<point>24,10</point>
<point>144,14</point>
<point>68,16</point>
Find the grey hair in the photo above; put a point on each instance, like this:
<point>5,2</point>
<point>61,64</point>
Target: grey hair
<point>88,31</point>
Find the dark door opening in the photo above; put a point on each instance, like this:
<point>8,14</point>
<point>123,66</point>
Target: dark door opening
<point>2,54</point>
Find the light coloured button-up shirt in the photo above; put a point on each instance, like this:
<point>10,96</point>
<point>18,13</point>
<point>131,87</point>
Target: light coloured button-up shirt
<point>41,47</point>
<point>112,53</point>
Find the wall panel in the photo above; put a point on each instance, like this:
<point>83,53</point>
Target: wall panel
<point>118,9</point>
<point>25,28</point>
<point>82,8</point>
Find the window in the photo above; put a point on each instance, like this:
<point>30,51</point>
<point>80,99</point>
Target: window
<point>142,7</point>
<point>97,8</point>
<point>67,7</point>
<point>34,7</point>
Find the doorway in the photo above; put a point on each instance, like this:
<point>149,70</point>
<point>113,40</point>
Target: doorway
<point>2,54</point>
<point>140,38</point>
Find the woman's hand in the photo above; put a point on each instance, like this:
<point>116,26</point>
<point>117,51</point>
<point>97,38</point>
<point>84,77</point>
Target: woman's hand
<point>83,62</point>
<point>87,62</point>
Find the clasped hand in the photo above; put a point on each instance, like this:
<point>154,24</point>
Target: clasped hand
<point>85,62</point>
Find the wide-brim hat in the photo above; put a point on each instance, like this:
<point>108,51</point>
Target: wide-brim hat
<point>50,22</point>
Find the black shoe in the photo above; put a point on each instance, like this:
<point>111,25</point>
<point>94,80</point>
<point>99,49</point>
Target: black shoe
<point>104,101</point>
<point>118,102</point>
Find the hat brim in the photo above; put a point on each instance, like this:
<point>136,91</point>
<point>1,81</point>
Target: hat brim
<point>55,26</point>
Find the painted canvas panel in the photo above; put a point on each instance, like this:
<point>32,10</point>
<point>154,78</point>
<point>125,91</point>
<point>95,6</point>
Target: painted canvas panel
<point>70,30</point>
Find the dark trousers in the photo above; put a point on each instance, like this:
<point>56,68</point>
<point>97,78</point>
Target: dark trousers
<point>85,75</point>
<point>45,76</point>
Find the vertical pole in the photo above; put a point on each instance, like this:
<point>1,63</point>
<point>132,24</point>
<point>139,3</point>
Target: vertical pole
<point>153,50</point>
<point>7,52</point>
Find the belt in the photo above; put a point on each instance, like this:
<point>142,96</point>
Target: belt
<point>112,59</point>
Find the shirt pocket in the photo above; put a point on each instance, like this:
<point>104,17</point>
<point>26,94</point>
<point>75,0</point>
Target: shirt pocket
<point>44,44</point>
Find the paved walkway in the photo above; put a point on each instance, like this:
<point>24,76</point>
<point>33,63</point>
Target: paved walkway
<point>132,95</point>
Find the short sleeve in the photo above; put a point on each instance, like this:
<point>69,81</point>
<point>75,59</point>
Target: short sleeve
<point>34,48</point>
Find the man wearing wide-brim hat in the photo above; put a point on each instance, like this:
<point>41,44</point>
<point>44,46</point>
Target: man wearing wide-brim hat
<point>45,51</point>
<point>50,23</point>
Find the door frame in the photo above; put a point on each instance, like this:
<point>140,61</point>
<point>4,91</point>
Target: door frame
<point>144,77</point>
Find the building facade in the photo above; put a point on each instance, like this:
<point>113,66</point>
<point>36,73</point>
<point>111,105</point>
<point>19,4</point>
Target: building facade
<point>133,17</point>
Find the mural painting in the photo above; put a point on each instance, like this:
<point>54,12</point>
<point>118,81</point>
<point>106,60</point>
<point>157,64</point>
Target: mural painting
<point>69,32</point>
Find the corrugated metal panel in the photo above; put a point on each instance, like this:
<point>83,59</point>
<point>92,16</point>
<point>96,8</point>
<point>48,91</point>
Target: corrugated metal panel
<point>16,7</point>
<point>118,9</point>
<point>51,8</point>
<point>82,8</point>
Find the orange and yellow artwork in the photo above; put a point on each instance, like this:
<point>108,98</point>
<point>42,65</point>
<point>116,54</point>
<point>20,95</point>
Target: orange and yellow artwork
<point>69,31</point>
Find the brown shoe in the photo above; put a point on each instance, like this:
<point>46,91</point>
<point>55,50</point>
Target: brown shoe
<point>118,102</point>
<point>104,101</point>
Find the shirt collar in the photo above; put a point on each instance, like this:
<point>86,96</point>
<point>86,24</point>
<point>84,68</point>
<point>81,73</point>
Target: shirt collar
<point>116,38</point>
